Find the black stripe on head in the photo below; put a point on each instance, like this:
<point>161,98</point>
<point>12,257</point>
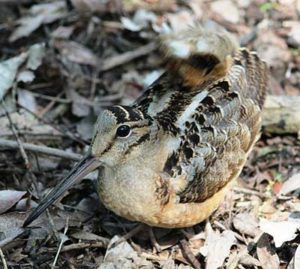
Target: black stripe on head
<point>141,140</point>
<point>126,114</point>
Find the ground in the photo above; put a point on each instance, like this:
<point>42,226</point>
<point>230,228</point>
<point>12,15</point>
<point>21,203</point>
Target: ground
<point>62,62</point>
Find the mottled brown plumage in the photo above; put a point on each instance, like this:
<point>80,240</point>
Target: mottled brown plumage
<point>168,159</point>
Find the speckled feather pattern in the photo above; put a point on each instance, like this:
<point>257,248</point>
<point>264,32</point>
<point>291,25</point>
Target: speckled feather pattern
<point>188,138</point>
<point>201,120</point>
<point>217,135</point>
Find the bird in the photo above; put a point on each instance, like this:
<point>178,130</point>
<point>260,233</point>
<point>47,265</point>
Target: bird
<point>168,159</point>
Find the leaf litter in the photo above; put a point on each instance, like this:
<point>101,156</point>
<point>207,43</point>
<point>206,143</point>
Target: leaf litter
<point>65,63</point>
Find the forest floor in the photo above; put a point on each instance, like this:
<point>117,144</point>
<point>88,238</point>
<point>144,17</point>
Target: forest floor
<point>61,63</point>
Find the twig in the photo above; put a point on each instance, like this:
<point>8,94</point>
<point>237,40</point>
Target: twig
<point>51,98</point>
<point>40,149</point>
<point>150,256</point>
<point>251,192</point>
<point>3,259</point>
<point>189,255</point>
<point>127,57</point>
<point>19,142</point>
<point>101,244</point>
<point>60,244</point>
<point>129,235</point>
<point>50,104</point>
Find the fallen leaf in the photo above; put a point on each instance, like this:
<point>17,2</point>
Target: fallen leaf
<point>8,198</point>
<point>63,32</point>
<point>246,224</point>
<point>37,15</point>
<point>266,255</point>
<point>176,19</point>
<point>25,76</point>
<point>26,99</point>
<point>36,54</point>
<point>25,121</point>
<point>80,105</point>
<point>11,227</point>
<point>292,184</point>
<point>9,68</point>
<point>76,52</point>
<point>8,72</point>
<point>217,243</point>
<point>89,5</point>
<point>24,204</point>
<point>85,127</point>
<point>227,9</point>
<point>282,231</point>
<point>130,25</point>
<point>141,19</point>
<point>122,255</point>
<point>154,5</point>
<point>274,50</point>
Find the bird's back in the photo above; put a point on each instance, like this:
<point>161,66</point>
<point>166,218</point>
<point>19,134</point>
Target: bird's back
<point>210,98</point>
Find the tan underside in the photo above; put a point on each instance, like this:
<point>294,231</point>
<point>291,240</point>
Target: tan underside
<point>181,215</point>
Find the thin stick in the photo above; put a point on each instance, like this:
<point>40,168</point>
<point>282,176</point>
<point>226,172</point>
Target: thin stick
<point>4,143</point>
<point>3,259</point>
<point>127,57</point>
<point>189,255</point>
<point>50,104</point>
<point>251,192</point>
<point>60,244</point>
<point>101,244</point>
<point>15,132</point>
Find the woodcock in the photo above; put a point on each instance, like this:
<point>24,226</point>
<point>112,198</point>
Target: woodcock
<point>168,159</point>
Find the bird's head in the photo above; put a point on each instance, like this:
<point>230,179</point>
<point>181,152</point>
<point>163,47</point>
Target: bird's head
<point>118,133</point>
<point>119,130</point>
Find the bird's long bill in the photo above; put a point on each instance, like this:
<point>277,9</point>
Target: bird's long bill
<point>81,169</point>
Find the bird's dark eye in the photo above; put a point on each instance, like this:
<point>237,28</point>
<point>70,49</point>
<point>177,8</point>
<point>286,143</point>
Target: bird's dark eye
<point>123,131</point>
